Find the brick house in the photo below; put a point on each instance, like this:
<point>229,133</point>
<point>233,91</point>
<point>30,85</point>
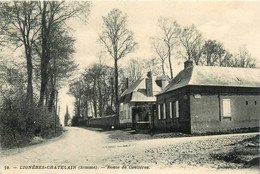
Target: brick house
<point>209,99</point>
<point>137,100</point>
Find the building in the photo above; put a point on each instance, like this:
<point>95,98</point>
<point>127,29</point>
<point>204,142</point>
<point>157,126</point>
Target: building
<point>204,99</point>
<point>137,100</point>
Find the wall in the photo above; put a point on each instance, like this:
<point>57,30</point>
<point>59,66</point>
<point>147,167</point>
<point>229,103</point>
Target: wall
<point>125,115</point>
<point>207,110</point>
<point>181,124</point>
<point>103,122</point>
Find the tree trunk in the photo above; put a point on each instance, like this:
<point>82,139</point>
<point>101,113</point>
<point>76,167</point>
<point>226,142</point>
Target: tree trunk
<point>79,106</point>
<point>52,95</point>
<point>29,93</point>
<point>94,99</point>
<point>170,63</point>
<point>46,97</point>
<point>116,93</point>
<point>101,100</point>
<point>86,108</point>
<point>44,81</point>
<point>112,93</point>
<point>44,56</point>
<point>163,67</point>
<point>51,101</point>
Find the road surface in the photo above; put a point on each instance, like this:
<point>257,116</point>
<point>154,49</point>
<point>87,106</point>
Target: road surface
<point>94,151</point>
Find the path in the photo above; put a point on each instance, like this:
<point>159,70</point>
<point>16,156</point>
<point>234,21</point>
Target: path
<point>83,147</point>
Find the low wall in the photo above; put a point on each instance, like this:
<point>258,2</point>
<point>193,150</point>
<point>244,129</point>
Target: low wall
<point>103,122</point>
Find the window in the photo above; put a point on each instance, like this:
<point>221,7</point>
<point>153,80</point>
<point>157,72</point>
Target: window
<point>129,113</point>
<point>124,114</point>
<point>164,111</point>
<point>174,109</point>
<point>170,106</point>
<point>121,115</point>
<point>255,102</point>
<point>246,102</point>
<point>226,108</point>
<point>159,112</point>
<point>177,109</point>
<point>161,109</point>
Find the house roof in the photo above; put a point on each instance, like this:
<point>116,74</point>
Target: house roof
<point>138,91</point>
<point>132,87</point>
<point>163,77</point>
<point>215,76</point>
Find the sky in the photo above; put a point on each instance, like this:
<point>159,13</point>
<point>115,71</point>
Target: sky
<point>235,24</point>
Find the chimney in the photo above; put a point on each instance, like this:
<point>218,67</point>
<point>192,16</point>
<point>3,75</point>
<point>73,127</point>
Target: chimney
<point>188,63</point>
<point>149,84</point>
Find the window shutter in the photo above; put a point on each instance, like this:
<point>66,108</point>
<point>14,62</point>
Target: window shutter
<point>177,109</point>
<point>164,111</point>
<point>159,112</point>
<point>170,105</point>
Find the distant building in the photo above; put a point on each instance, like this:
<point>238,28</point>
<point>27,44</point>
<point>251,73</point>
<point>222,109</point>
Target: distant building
<point>66,117</point>
<point>137,100</point>
<point>209,99</point>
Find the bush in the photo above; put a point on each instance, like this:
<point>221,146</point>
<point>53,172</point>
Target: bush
<point>75,121</point>
<point>20,123</point>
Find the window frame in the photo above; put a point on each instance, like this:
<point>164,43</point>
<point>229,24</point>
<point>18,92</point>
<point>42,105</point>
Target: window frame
<point>159,111</point>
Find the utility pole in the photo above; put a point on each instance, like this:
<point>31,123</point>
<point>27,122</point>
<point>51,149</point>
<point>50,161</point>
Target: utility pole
<point>55,124</point>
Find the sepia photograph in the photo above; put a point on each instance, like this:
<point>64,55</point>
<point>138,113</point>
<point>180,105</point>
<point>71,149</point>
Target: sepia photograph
<point>158,87</point>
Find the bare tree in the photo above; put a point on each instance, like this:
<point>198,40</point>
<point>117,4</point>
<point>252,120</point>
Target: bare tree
<point>152,65</point>
<point>161,53</point>
<point>164,44</point>
<point>191,40</point>
<point>227,60</point>
<point>244,59</point>
<point>134,70</point>
<point>118,41</point>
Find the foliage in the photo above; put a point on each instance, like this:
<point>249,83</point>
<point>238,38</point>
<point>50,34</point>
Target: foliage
<point>39,27</point>
<point>93,91</point>
<point>213,52</point>
<point>54,16</point>
<point>19,27</point>
<point>19,123</point>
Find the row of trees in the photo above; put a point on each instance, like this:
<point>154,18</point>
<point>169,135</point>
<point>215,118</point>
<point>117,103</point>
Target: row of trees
<point>187,42</point>
<point>98,88</point>
<point>39,31</point>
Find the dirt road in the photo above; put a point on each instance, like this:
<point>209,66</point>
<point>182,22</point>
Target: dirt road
<point>83,151</point>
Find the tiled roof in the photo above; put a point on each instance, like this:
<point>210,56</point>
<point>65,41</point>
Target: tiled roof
<point>215,76</point>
